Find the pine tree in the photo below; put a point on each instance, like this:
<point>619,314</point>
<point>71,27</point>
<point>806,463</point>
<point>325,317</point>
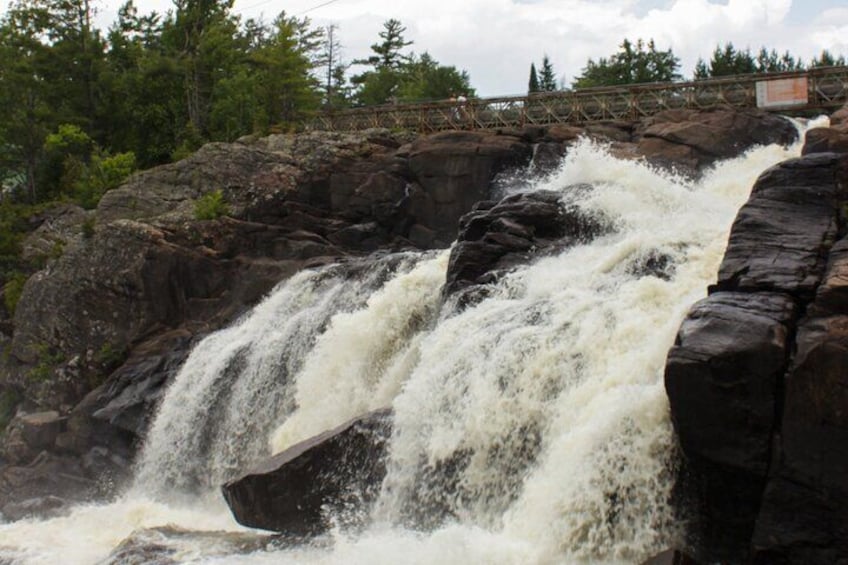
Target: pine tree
<point>533,84</point>
<point>380,84</point>
<point>547,77</point>
<point>827,59</point>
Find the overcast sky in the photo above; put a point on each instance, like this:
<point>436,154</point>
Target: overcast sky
<point>496,40</point>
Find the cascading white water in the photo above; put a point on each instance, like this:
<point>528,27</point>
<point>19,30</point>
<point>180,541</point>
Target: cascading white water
<point>529,428</point>
<point>233,387</point>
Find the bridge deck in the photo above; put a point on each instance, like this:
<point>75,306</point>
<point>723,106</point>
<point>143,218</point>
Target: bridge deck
<point>822,88</point>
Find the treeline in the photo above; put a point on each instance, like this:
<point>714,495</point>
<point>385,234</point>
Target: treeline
<point>83,106</point>
<point>642,62</point>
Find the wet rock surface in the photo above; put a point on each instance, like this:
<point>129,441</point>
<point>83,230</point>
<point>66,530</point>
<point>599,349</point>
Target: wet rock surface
<point>756,379</point>
<point>294,491</point>
<point>167,545</point>
<point>496,237</point>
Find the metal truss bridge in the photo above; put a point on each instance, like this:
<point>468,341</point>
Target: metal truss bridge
<point>823,88</point>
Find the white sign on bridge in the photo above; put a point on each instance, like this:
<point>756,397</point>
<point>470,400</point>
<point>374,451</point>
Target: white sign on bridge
<point>780,93</point>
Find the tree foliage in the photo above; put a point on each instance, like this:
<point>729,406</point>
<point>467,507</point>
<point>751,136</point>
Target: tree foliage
<point>547,76</point>
<point>632,64</point>
<point>533,82</point>
<point>727,60</point>
<point>396,76</point>
<point>827,59</point>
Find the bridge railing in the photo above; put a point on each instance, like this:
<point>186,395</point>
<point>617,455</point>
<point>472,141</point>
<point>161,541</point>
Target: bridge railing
<point>827,87</point>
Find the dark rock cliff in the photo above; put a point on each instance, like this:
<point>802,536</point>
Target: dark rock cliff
<point>757,378</point>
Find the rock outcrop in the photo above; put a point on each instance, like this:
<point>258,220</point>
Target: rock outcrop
<point>496,237</point>
<point>756,379</point>
<point>689,140</point>
<point>337,472</point>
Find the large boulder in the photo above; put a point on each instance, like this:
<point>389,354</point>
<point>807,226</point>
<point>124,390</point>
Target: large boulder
<point>756,377</point>
<point>722,380</point>
<point>780,238</point>
<point>689,140</point>
<point>297,491</point>
<point>496,237</point>
<point>825,140</point>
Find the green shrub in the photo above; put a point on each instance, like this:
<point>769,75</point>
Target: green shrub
<point>13,290</point>
<point>110,356</point>
<point>87,228</point>
<point>211,206</point>
<point>46,363</point>
<point>104,173</point>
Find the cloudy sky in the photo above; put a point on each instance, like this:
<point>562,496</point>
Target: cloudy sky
<point>496,40</point>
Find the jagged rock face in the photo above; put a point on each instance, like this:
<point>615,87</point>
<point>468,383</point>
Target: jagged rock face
<point>452,172</point>
<point>756,379</point>
<point>294,491</point>
<point>495,237</point>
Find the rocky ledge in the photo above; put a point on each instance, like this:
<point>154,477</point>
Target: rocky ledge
<point>757,377</point>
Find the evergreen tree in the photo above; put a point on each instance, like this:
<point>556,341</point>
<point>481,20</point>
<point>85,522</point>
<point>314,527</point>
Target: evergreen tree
<point>285,87</point>
<point>533,84</point>
<point>423,78</point>
<point>547,77</point>
<point>387,54</point>
<point>827,59</point>
<point>632,64</point>
<point>203,32</point>
<point>726,61</point>
<point>379,85</point>
<point>25,94</point>
<point>769,61</point>
<point>331,61</point>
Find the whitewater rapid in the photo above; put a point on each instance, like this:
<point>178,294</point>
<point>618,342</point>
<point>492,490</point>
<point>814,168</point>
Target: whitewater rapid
<point>545,400</point>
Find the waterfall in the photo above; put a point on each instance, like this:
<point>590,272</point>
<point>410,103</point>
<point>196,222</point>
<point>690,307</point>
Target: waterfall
<point>531,427</point>
<point>214,421</point>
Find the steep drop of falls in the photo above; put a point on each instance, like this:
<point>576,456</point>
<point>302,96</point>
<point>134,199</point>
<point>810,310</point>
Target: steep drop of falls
<point>531,427</point>
<point>235,384</point>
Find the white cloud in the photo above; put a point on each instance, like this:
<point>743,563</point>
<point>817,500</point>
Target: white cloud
<point>495,40</point>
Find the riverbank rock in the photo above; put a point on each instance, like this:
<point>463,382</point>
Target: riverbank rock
<point>671,557</point>
<point>167,545</point>
<point>338,471</point>
<point>756,377</point>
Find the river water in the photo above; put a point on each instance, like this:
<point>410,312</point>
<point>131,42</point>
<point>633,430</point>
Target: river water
<point>545,400</point>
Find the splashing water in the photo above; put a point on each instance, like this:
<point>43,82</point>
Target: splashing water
<point>530,428</point>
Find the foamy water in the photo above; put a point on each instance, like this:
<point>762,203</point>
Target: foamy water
<point>530,428</point>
